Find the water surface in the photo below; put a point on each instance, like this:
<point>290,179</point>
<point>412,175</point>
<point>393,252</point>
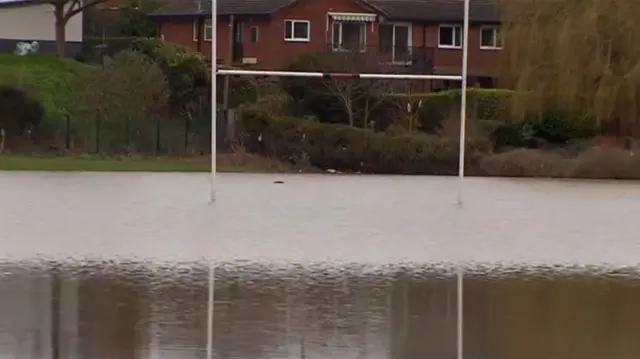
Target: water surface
<point>317,267</point>
<point>316,218</point>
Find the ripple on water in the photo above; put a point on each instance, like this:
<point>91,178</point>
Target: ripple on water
<point>142,309</point>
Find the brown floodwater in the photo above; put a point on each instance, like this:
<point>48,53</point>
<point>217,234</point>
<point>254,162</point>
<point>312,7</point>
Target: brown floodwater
<point>107,266</point>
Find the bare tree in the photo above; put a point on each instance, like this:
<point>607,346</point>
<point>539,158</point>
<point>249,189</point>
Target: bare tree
<point>345,90</point>
<point>404,96</point>
<point>64,10</point>
<point>359,97</point>
<point>373,93</point>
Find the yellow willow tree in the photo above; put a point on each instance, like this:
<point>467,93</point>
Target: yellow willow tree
<point>581,56</point>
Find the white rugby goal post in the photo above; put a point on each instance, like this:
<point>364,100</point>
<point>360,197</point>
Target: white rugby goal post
<point>461,156</point>
<point>463,100</point>
<point>462,78</point>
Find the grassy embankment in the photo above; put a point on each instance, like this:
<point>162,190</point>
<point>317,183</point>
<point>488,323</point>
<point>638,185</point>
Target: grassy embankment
<point>50,79</point>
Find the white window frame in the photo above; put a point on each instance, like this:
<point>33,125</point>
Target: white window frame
<point>409,27</point>
<point>293,38</point>
<point>339,48</point>
<point>195,30</point>
<point>455,28</point>
<point>207,24</point>
<point>496,35</point>
<point>257,30</point>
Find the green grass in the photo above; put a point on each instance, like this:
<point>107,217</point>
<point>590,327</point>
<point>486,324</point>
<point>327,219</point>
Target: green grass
<point>49,78</point>
<point>235,162</point>
<point>96,163</point>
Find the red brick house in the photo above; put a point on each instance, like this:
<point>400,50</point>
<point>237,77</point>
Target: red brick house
<point>423,35</point>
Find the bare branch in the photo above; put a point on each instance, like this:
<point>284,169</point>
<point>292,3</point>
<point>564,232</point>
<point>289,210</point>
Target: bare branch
<point>358,96</point>
<point>78,6</point>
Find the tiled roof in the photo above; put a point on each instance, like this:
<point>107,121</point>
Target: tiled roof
<point>438,10</point>
<point>8,3</point>
<point>410,10</point>
<point>225,7</point>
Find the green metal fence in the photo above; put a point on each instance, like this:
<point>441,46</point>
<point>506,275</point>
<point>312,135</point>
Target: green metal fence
<point>175,136</point>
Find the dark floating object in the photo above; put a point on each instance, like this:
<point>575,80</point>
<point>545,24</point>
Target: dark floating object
<point>278,182</point>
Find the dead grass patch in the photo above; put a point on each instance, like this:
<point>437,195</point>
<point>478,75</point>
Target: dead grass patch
<point>239,160</point>
<point>606,163</point>
<point>525,163</point>
<point>594,163</point>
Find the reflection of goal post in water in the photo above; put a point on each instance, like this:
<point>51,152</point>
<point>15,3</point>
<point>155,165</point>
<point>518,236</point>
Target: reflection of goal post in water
<point>461,156</point>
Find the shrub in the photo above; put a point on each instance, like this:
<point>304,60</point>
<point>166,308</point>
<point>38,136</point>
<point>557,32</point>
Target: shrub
<point>552,125</point>
<point>134,18</point>
<point>185,69</point>
<point>345,148</point>
<point>127,96</point>
<point>311,96</point>
<point>482,104</point>
<point>18,109</point>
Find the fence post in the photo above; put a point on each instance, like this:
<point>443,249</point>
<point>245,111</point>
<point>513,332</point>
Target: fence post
<point>186,133</point>
<point>158,134</point>
<point>127,140</point>
<point>67,133</point>
<point>98,135</point>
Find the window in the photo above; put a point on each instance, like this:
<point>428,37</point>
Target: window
<point>490,38</point>
<point>239,32</point>
<point>296,30</point>
<point>207,29</point>
<point>254,34</point>
<point>395,42</point>
<point>450,36</point>
<point>350,36</point>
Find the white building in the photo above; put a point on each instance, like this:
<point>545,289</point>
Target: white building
<point>31,20</point>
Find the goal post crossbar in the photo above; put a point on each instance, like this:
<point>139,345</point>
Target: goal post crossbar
<point>338,75</point>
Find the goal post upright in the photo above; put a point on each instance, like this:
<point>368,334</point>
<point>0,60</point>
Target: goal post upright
<point>463,99</point>
<point>214,98</point>
<point>461,161</point>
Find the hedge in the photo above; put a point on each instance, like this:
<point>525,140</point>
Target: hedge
<point>484,104</point>
<point>552,125</point>
<point>350,149</point>
<point>18,109</point>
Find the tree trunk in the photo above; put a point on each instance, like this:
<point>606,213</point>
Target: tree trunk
<point>61,38</point>
<point>365,120</point>
<point>350,113</point>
